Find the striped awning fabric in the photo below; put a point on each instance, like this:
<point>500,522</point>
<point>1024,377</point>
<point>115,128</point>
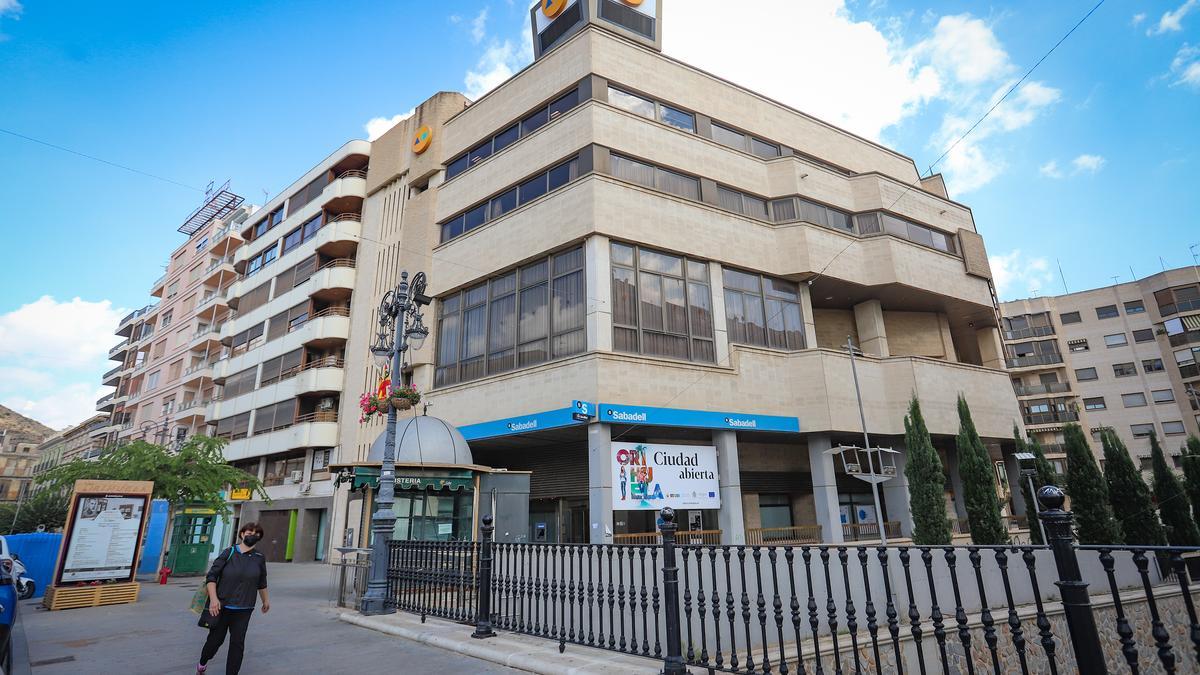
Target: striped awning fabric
<point>1192,322</point>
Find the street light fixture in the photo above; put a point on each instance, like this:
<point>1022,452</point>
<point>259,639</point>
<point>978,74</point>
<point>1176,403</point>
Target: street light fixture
<point>400,327</point>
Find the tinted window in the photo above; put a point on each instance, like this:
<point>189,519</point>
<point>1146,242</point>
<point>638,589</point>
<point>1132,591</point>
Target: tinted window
<point>481,152</point>
<point>678,118</point>
<point>1085,374</point>
<point>1069,317</point>
<point>533,188</point>
<point>763,148</point>
<point>504,203</point>
<point>634,104</point>
<point>1106,312</point>
<point>1143,335</point>
<point>452,229</point>
<point>734,139</point>
<point>531,123</point>
<point>506,138</point>
<point>456,167</point>
<point>1135,307</point>
<point>564,103</point>
<point>561,175</point>
<point>475,217</point>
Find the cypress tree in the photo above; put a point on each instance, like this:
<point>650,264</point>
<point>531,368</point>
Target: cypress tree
<point>1088,493</point>
<point>1173,505</point>
<point>926,481</point>
<point>1045,476</point>
<point>979,482</point>
<point>1191,474</point>
<point>1129,495</point>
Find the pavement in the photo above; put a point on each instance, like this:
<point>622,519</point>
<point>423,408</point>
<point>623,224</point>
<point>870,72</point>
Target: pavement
<point>158,635</point>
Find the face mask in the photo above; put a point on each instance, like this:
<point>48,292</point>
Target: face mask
<point>250,539</point>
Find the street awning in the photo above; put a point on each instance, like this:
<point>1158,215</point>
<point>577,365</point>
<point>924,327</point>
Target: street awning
<point>450,480</point>
<point>1192,322</point>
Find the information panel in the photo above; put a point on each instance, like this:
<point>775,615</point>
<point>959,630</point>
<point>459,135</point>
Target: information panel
<point>650,476</point>
<point>103,539</point>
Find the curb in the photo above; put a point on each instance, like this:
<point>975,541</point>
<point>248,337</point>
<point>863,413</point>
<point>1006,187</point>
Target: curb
<point>531,654</point>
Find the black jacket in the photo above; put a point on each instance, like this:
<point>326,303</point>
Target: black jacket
<point>238,577</point>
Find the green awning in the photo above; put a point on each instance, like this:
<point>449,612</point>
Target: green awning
<point>446,480</point>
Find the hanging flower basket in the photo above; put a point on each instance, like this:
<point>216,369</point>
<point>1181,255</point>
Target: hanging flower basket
<point>401,403</point>
<point>387,396</point>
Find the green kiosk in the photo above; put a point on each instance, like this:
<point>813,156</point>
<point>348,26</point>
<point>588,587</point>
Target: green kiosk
<point>191,541</point>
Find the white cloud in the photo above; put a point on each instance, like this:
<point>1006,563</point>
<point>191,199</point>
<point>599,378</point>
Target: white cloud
<point>1050,170</point>
<point>1172,21</point>
<point>52,355</point>
<point>1017,275</point>
<point>1088,163</point>
<point>378,126</point>
<point>1185,67</point>
<point>498,63</point>
<point>479,26</point>
<point>879,83</point>
<point>1138,18</point>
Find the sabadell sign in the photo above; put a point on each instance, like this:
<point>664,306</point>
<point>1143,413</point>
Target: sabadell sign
<point>649,476</point>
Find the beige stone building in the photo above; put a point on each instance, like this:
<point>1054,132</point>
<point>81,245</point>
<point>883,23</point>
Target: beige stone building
<point>82,441</point>
<point>623,249</point>
<point>1123,356</point>
<point>17,460</point>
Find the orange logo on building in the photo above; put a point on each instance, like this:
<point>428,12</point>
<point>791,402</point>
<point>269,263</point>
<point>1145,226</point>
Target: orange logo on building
<point>552,8</point>
<point>422,139</point>
<point>633,3</point>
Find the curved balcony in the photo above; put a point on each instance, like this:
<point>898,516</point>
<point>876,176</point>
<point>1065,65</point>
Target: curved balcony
<point>217,271</point>
<point>189,411</point>
<point>225,240</point>
<point>113,377</point>
<point>340,235</point>
<point>117,353</point>
<point>156,290</point>
<point>346,190</point>
<point>211,307</point>
<point>106,403</point>
<point>126,326</point>
<point>333,280</point>
<point>208,338</point>
<point>320,376</point>
<point>316,429</point>
<point>198,373</point>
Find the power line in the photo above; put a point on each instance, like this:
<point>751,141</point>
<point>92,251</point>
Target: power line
<point>995,105</point>
<point>98,159</point>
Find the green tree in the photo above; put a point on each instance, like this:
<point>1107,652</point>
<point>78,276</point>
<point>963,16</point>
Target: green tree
<point>1129,496</point>
<point>979,482</point>
<point>194,475</point>
<point>1045,476</point>
<point>1088,493</point>
<point>1191,474</point>
<point>926,481</point>
<point>1173,505</point>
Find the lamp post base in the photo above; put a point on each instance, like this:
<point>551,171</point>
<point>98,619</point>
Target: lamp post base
<point>370,606</point>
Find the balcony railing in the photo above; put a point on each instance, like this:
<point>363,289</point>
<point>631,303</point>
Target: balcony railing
<point>197,368</point>
<point>1048,388</point>
<point>227,260</point>
<point>869,531</point>
<point>324,362</point>
<point>136,313</point>
<point>194,403</point>
<point>159,281</point>
<point>354,217</point>
<point>1062,416</point>
<point>352,173</point>
<point>1054,448</point>
<point>771,536</point>
<point>105,399</point>
<point>205,331</point>
<point>317,416</point>
<point>686,537</point>
<point>1033,360</point>
<point>220,234</point>
<point>338,262</point>
<point>1032,331</point>
<point>114,371</point>
<point>118,348</point>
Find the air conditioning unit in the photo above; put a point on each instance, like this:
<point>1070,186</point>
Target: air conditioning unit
<point>325,404</point>
<point>296,476</point>
<point>304,488</point>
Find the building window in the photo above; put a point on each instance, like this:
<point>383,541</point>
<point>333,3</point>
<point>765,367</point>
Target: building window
<point>799,208</point>
<point>1179,299</point>
<point>1173,429</point>
<point>166,318</point>
<point>286,469</point>
<point>679,119</point>
<point>1124,369</point>
<point>307,193</point>
<point>1086,374</point>
<point>662,305</point>
<point>744,142</point>
<point>1141,430</point>
<point>1116,340</point>
<point>271,220</point>
<point>1135,307</point>
<point>274,417</point>
<point>1152,365</point>
<point>281,367</point>
<point>239,383</point>
<point>173,289</point>
<point>512,133</point>
<point>631,103</point>
<point>320,465</point>
<point>303,233</point>
<point>1107,312</point>
<point>233,428</point>
<point>655,178</point>
<point>518,319</point>
<point>1094,403</point>
<point>1078,345</point>
<point>152,380</point>
<point>775,511</point>
<point>767,319</point>
<point>262,260</point>
<point>1134,400</point>
<point>1143,335</point>
<point>880,222</point>
<point>739,202</point>
<point>500,204</point>
<point>1069,317</point>
<point>1163,396</point>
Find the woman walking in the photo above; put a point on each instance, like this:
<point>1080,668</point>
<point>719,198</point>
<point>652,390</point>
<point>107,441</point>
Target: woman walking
<point>235,576</point>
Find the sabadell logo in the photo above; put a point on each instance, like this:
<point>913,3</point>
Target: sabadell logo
<point>741,424</point>
<point>522,426</point>
<point>625,416</point>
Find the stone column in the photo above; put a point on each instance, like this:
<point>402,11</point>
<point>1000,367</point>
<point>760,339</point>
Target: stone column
<point>810,321</point>
<point>730,518</point>
<point>872,335</point>
<point>716,280</point>
<point>598,271</point>
<point>824,484</point>
<point>600,505</point>
<point>895,494</point>
<point>991,350</point>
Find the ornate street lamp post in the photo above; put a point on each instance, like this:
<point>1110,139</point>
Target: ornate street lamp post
<point>399,328</point>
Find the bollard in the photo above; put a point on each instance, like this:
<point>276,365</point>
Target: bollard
<point>1077,605</point>
<point>483,600</point>
<point>673,661</point>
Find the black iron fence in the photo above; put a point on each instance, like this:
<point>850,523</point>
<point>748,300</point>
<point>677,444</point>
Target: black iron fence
<point>817,609</point>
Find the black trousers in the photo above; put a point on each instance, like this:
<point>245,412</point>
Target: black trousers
<point>232,621</point>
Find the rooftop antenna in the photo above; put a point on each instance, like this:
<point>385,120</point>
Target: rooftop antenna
<point>1062,276</point>
<point>1115,278</point>
<point>1162,263</point>
<point>1131,274</point>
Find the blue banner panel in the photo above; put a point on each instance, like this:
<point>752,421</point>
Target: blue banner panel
<point>612,413</point>
<point>550,419</point>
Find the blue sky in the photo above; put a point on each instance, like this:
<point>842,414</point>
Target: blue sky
<point>1091,162</point>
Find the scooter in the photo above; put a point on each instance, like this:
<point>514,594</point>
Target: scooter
<point>26,587</point>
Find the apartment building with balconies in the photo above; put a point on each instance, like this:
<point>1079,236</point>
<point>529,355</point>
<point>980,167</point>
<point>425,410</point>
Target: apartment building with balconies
<point>279,371</point>
<point>1121,356</point>
<point>163,374</point>
<point>625,249</point>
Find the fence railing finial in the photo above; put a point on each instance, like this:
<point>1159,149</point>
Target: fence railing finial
<point>483,605</point>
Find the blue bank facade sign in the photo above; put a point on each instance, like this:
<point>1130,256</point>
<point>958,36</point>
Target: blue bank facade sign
<point>582,412</point>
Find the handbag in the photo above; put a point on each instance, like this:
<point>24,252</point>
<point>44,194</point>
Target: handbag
<point>199,604</point>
